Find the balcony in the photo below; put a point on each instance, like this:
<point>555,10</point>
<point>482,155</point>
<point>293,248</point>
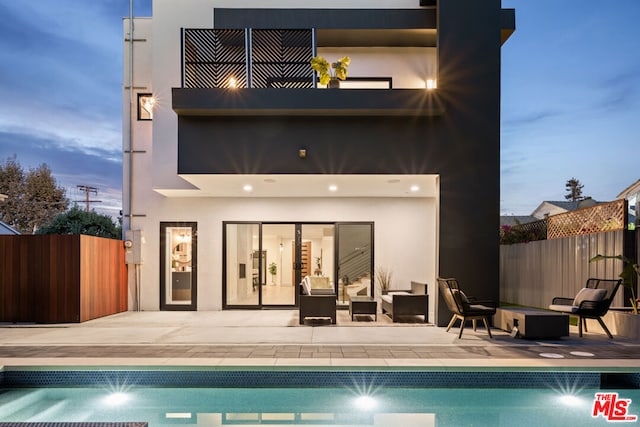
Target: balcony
<point>247,72</point>
<point>305,102</point>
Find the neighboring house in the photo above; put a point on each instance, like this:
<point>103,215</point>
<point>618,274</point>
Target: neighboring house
<point>632,195</point>
<point>242,175</point>
<point>7,229</point>
<point>548,208</point>
<point>512,220</point>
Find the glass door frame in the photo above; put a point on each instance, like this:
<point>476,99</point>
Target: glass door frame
<point>225,305</point>
<point>298,225</point>
<point>164,306</point>
<point>336,272</point>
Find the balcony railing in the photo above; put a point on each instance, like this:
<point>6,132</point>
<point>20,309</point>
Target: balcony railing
<point>247,58</point>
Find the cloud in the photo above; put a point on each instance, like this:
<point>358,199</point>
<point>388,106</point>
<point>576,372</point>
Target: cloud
<point>61,86</point>
<point>528,119</point>
<point>70,166</point>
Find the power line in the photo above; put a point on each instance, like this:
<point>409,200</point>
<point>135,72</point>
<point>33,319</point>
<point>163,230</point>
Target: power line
<point>88,190</point>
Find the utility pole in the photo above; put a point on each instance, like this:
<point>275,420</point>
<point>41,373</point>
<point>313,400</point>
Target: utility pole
<point>88,190</point>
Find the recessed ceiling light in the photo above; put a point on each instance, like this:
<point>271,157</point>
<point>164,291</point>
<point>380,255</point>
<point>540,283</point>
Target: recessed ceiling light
<point>414,188</point>
<point>393,181</point>
<point>333,188</point>
<point>248,188</point>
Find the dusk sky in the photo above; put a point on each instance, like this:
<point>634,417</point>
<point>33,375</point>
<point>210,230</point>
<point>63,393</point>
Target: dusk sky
<point>570,96</point>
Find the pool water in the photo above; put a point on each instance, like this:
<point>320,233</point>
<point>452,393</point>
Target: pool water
<point>354,405</point>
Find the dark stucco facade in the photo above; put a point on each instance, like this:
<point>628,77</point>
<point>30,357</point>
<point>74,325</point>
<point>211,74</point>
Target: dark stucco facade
<point>453,131</point>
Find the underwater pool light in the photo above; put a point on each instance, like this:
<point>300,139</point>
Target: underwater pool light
<point>570,400</point>
<point>365,403</point>
<point>116,398</point>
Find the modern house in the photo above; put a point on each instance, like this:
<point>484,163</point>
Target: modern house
<point>243,174</point>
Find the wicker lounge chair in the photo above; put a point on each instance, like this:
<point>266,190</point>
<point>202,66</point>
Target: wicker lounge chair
<point>464,307</point>
<point>592,302</point>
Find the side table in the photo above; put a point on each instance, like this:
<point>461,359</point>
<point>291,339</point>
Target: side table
<point>363,305</point>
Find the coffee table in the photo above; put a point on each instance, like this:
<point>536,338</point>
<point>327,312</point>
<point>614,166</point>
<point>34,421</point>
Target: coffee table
<point>532,323</point>
<point>363,305</point>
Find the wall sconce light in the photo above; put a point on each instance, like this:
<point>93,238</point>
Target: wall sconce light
<point>146,102</point>
<point>233,82</point>
<point>431,84</point>
<point>302,153</point>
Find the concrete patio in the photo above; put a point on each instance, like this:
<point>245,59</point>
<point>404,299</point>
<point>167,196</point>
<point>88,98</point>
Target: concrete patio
<point>273,338</point>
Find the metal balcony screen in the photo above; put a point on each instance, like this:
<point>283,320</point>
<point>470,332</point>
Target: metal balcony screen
<point>216,58</point>
<point>280,58</point>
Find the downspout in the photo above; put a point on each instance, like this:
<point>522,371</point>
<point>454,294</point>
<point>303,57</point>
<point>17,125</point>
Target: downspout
<point>130,115</point>
<point>131,123</point>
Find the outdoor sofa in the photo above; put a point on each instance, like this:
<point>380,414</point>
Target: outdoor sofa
<point>410,302</point>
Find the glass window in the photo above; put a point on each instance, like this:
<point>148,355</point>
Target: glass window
<point>146,102</point>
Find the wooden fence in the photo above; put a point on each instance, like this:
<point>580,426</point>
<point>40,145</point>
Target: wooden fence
<point>531,274</point>
<point>61,278</point>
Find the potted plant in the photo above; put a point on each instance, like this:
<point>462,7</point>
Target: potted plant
<point>383,277</point>
<point>624,323</point>
<point>273,270</point>
<point>330,75</point>
<point>318,270</point>
<point>629,275</point>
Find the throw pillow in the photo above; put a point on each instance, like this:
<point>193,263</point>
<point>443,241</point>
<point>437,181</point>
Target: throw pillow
<point>588,294</point>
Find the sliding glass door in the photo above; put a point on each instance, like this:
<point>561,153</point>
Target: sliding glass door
<point>244,265</point>
<point>265,262</point>
<point>278,245</point>
<point>354,260</point>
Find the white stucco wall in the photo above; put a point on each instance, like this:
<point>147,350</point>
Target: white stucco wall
<point>410,67</point>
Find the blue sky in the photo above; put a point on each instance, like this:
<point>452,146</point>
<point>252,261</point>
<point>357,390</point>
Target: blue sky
<point>570,100</point>
<point>570,96</point>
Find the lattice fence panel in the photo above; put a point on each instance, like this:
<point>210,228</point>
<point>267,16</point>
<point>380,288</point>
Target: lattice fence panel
<point>280,58</point>
<point>212,58</point>
<point>520,233</point>
<point>604,217</point>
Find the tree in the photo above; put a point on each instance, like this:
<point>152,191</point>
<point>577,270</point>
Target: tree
<point>12,184</point>
<point>574,188</point>
<point>79,221</point>
<point>34,197</point>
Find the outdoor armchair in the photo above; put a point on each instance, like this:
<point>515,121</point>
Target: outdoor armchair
<point>464,307</point>
<point>591,302</point>
<point>316,302</point>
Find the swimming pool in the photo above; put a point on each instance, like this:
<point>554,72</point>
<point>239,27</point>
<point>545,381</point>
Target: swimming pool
<point>215,397</point>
